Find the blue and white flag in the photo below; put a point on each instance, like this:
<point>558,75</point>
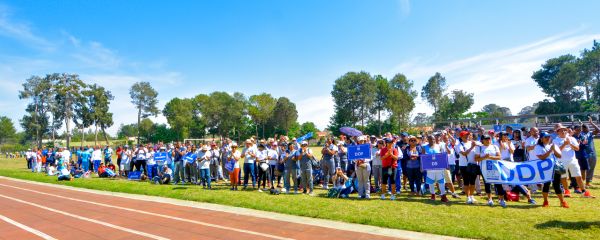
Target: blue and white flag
<point>518,173</point>
<point>160,156</point>
<point>358,152</point>
<point>137,175</point>
<point>300,139</point>
<point>190,157</point>
<point>437,161</point>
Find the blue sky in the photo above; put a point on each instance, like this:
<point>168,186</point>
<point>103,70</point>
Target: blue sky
<point>288,48</point>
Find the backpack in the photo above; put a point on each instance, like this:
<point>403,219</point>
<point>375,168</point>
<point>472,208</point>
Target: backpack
<point>275,191</point>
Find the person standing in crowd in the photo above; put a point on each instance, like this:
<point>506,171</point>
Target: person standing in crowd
<point>304,155</point>
<point>327,164</point>
<point>152,166</point>
<point>234,155</point>
<point>377,165</point>
<point>263,167</point>
<point>591,149</point>
<point>249,155</point>
<point>108,151</point>
<point>215,162</point>
<point>568,146</point>
<point>225,149</point>
<point>190,168</point>
<point>96,158</point>
<point>343,155</point>
<point>124,167</point>
<point>488,151</point>
<point>85,159</point>
<point>401,145</point>
<point>272,158</point>
<point>581,155</point>
<point>178,155</point>
<point>448,147</point>
<point>363,171</point>
<point>118,151</point>
<point>412,156</point>
<point>519,146</point>
<point>467,156</point>
<point>389,156</point>
<point>545,149</point>
<point>434,177</point>
<point>530,144</point>
<point>204,157</point>
<point>140,162</point>
<point>291,169</point>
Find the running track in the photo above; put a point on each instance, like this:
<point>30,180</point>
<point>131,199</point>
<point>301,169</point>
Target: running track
<point>32,211</point>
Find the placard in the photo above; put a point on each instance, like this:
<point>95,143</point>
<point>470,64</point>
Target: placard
<point>229,165</point>
<point>518,173</point>
<point>160,156</point>
<point>436,161</point>
<point>134,175</point>
<point>190,157</point>
<point>358,152</point>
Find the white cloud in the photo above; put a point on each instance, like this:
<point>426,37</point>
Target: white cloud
<point>316,109</point>
<point>502,77</point>
<point>404,8</point>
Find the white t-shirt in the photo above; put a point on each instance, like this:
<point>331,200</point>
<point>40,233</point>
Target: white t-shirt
<point>464,160</point>
<point>64,172</point>
<point>247,152</point>
<point>66,155</point>
<point>124,156</point>
<point>204,158</point>
<point>451,156</point>
<point>483,150</point>
<point>237,154</point>
<point>505,153</point>
<point>169,171</point>
<point>96,155</point>
<point>150,158</point>
<point>539,150</point>
<point>141,155</point>
<point>273,155</point>
<point>568,153</point>
<point>530,141</point>
<point>376,158</point>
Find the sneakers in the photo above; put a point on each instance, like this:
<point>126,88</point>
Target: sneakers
<point>545,204</point>
<point>393,198</point>
<point>445,199</point>
<point>311,194</point>
<point>473,199</point>
<point>567,193</point>
<point>455,196</point>
<point>295,192</point>
<point>469,200</point>
<point>577,190</point>
<point>368,197</point>
<point>175,183</point>
<point>231,189</point>
<point>260,190</point>
<point>564,204</point>
<point>359,197</point>
<point>503,203</point>
<point>531,201</point>
<point>383,196</point>
<point>432,197</point>
<point>587,194</point>
<point>490,202</point>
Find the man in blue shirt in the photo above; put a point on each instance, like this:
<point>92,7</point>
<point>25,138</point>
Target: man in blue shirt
<point>85,159</point>
<point>591,149</point>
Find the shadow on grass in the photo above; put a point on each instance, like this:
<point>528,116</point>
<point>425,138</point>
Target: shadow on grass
<point>567,225</point>
<point>180,188</point>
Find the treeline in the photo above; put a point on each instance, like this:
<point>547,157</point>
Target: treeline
<point>380,105</point>
<point>572,83</point>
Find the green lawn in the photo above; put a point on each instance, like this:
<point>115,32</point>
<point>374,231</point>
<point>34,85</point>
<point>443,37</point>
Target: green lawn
<point>518,220</point>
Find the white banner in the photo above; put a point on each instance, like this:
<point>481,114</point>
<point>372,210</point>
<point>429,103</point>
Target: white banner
<point>518,173</point>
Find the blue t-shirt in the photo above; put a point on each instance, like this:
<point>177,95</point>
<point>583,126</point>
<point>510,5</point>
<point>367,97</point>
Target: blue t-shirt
<point>582,152</point>
<point>85,156</point>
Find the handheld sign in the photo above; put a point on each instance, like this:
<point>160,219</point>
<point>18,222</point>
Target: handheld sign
<point>190,157</point>
<point>229,165</point>
<point>357,152</point>
<point>498,128</point>
<point>134,175</point>
<point>310,134</point>
<point>437,161</point>
<point>160,156</point>
<point>110,172</point>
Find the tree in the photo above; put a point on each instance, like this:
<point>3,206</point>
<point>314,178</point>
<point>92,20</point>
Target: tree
<point>53,106</point>
<point>7,129</point>
<point>68,94</point>
<point>434,91</point>
<point>221,110</point>
<point>309,127</point>
<point>422,120</point>
<point>84,114</point>
<point>561,80</point>
<point>126,131</point>
<point>590,66</point>
<point>179,114</point>
<point>491,108</point>
<point>286,113</point>
<point>99,99</point>
<point>146,127</point>
<point>37,89</point>
<point>355,93</point>
<point>144,98</point>
<point>401,100</point>
<point>382,88</point>
<point>261,108</point>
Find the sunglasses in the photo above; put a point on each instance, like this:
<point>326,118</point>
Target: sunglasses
<point>412,140</point>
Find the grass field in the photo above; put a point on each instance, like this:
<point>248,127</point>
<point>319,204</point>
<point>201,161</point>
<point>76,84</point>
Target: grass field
<point>518,220</point>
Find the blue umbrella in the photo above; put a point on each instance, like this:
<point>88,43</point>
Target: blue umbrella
<point>351,131</point>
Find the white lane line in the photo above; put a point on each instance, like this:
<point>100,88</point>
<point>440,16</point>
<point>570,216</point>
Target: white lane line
<point>31,230</point>
<point>153,214</point>
<point>88,219</point>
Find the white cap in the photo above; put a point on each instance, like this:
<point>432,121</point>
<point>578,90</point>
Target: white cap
<point>304,143</point>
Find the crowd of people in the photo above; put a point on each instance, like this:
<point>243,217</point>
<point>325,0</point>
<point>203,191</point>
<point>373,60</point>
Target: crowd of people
<point>394,163</point>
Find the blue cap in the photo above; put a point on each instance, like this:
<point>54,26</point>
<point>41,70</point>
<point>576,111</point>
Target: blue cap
<point>544,134</point>
<point>405,134</point>
<point>389,140</point>
<point>458,129</point>
<point>85,149</point>
<point>126,146</point>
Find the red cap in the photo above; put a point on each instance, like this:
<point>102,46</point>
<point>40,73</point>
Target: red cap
<point>463,133</point>
<point>491,132</point>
